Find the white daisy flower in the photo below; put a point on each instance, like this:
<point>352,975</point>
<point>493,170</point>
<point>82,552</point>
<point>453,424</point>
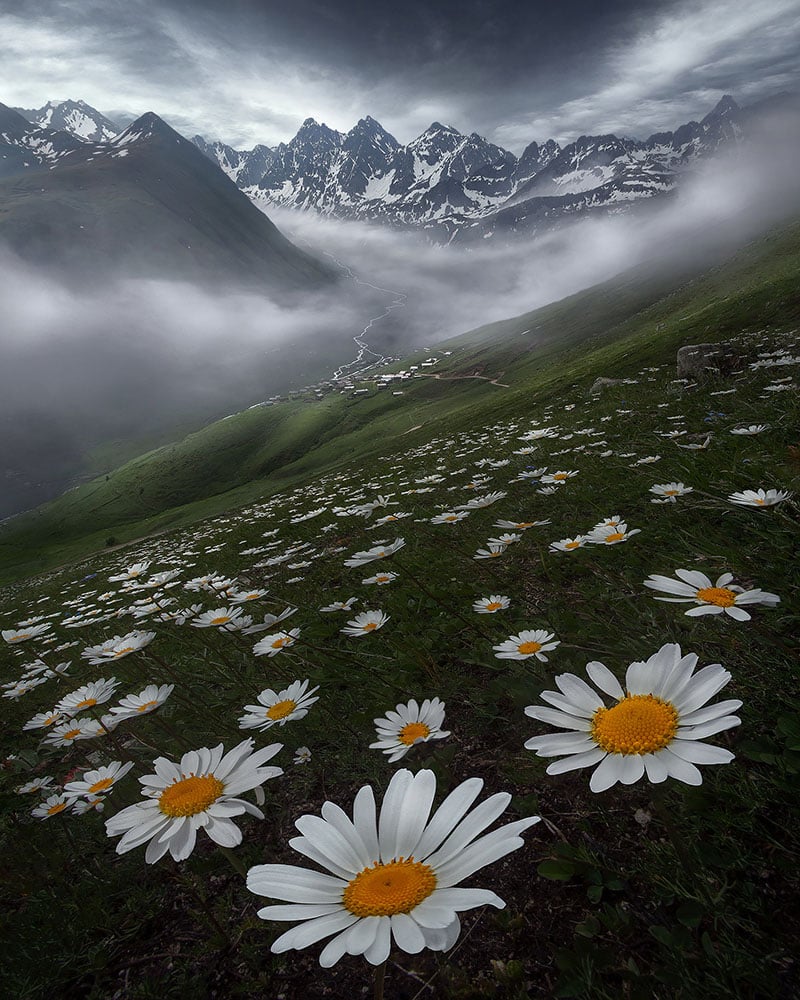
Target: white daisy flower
<point>492,604</point>
<point>52,806</point>
<point>569,544</point>
<point>450,517</point>
<point>96,693</point>
<point>519,525</point>
<point>198,793</point>
<point>13,636</point>
<point>381,579</point>
<point>611,534</point>
<point>759,498</point>
<point>559,477</point>
<point>529,642</point>
<point>302,755</point>
<point>43,720</point>
<point>271,645</point>
<point>752,429</point>
<point>366,622</point>
<point>376,552</point>
<point>117,647</point>
<point>408,725</point>
<point>230,619</point>
<point>341,605</point>
<point>36,785</point>
<point>392,876</point>
<point>279,707</point>
<point>712,598</point>
<point>668,492</point>
<point>269,621</point>
<point>148,700</point>
<point>655,726</point>
<point>99,781</point>
<point>490,552</point>
<point>131,573</point>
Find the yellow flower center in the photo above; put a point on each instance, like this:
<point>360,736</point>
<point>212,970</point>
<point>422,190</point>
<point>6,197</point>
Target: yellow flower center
<point>560,475</point>
<point>615,536</point>
<point>281,709</point>
<point>147,706</point>
<point>280,643</point>
<point>572,545</point>
<point>101,786</point>
<point>720,596</point>
<point>56,808</point>
<point>383,890</point>
<point>671,493</point>
<point>493,606</point>
<point>369,626</point>
<point>86,703</point>
<point>760,502</point>
<point>221,620</point>
<point>639,724</point>
<point>125,650</point>
<point>71,734</point>
<point>412,732</point>
<point>382,579</point>
<point>189,796</point>
<point>529,647</point>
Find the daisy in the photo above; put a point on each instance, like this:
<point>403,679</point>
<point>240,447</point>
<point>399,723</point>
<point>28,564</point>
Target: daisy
<point>13,636</point>
<point>230,619</point>
<point>711,598</point>
<point>491,552</point>
<point>271,645</point>
<point>302,755</point>
<point>485,501</point>
<point>752,429</point>
<point>559,477</point>
<point>99,781</point>
<point>364,623</point>
<point>43,720</point>
<point>393,876</point>
<point>694,446</point>
<point>36,785</point>
<point>199,792</point>
<point>667,492</point>
<point>88,696</point>
<point>655,726</point>
<point>491,605</point>
<point>52,806</point>
<point>376,552</point>
<point>529,642</point>
<point>381,578</point>
<point>451,517</point>
<point>278,708</point>
<point>269,621</point>
<point>759,498</point>
<point>243,596</point>
<point>148,700</point>
<point>408,725</point>
<point>131,573</point>
<point>341,605</point>
<point>611,534</point>
<point>569,544</point>
<point>117,647</point>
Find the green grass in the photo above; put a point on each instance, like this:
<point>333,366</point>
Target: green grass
<point>643,891</point>
<point>262,450</point>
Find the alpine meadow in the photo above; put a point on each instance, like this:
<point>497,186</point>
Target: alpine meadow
<point>399,520</point>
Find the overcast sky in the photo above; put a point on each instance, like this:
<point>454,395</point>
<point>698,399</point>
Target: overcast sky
<point>248,71</point>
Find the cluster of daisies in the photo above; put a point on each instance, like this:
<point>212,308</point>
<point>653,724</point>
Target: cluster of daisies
<point>390,875</point>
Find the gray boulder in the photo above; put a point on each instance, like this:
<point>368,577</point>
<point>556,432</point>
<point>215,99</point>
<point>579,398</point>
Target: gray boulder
<point>699,360</point>
<point>601,383</point>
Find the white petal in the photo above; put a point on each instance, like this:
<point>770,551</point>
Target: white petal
<point>361,935</point>
<point>298,911</point>
<point>407,934</point>
<point>700,753</point>
<point>681,770</point>
<point>737,614</point>
<point>471,826</point>
<point>604,679</point>
<point>578,760</point>
<point>579,692</point>
<point>632,768</point>
<point>312,931</point>
<point>607,773</point>
<point>447,816</point>
<point>416,809</point>
<point>224,832</point>
<point>555,744</point>
<point>391,812</point>
<point>379,951</point>
<point>293,884</point>
<point>326,840</point>
<point>711,728</point>
<point>555,718</point>
<point>654,768</point>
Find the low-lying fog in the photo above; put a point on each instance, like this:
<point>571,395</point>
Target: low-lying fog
<point>143,361</point>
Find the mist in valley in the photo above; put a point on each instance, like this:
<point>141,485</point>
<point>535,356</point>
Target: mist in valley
<point>94,374</point>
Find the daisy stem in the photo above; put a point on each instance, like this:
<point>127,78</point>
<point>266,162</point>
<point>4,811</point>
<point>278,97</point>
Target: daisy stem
<point>196,893</point>
<point>236,863</point>
<point>380,975</point>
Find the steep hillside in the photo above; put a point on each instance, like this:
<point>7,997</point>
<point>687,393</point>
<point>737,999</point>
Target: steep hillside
<point>611,330</point>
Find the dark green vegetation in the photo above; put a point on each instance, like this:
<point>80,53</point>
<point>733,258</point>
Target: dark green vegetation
<point>642,891</point>
<point>605,330</point>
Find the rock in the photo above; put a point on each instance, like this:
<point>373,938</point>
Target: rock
<point>603,383</point>
<point>698,360</point>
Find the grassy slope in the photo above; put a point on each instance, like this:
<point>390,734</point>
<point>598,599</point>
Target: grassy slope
<point>261,451</point>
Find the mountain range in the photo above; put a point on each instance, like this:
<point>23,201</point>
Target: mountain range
<point>145,203</point>
<point>457,188</point>
<point>462,187</point>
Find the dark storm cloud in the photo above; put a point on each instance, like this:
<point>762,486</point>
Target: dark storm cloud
<point>247,71</point>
